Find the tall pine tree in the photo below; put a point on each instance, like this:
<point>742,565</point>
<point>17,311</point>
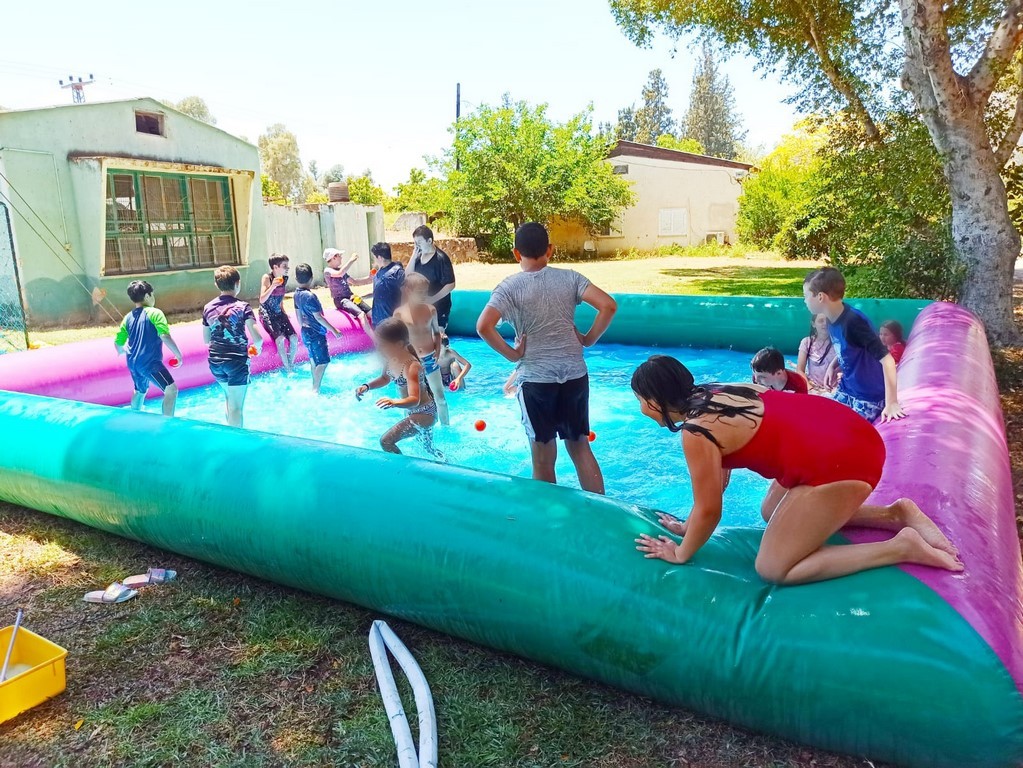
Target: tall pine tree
<point>654,119</point>
<point>712,118</point>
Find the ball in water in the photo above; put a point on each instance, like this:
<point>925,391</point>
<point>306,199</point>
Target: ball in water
<point>480,425</point>
<point>252,351</point>
<point>593,436</point>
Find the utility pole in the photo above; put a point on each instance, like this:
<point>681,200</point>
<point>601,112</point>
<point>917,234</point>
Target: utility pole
<point>77,87</point>
<point>458,114</point>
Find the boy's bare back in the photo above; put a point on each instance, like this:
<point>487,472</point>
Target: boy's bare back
<point>423,329</point>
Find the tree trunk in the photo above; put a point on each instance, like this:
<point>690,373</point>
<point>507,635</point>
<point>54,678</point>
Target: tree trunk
<point>982,232</point>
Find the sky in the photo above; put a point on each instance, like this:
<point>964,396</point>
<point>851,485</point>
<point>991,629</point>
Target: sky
<point>365,84</point>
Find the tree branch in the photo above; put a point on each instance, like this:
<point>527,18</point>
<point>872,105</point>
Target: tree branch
<point>1001,46</point>
<point>928,46</point>
<point>1010,139</point>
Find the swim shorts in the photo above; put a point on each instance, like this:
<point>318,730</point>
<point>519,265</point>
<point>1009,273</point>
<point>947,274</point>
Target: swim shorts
<point>868,409</point>
<point>156,373</point>
<point>551,410</point>
<point>316,344</point>
<point>234,372</point>
<point>277,324</point>
<point>351,307</point>
<point>429,362</point>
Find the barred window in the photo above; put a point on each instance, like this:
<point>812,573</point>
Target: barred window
<point>158,222</point>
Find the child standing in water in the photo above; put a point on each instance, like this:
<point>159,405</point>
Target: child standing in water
<point>453,367</point>
<point>275,321</point>
<point>403,368</point>
<point>816,353</point>
<point>141,337</point>
<point>891,337</point>
<point>424,333</point>
<point>314,324</point>
<point>335,275</point>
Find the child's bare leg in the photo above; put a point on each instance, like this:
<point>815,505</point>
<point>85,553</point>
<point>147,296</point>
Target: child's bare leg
<point>235,404</point>
<point>170,399</point>
<point>903,513</point>
<point>292,351</point>
<point>586,466</point>
<point>544,457</point>
<point>437,387</point>
<point>137,399</point>
<point>771,501</point>
<point>405,428</point>
<point>793,549</point>
<point>282,352</point>
<point>318,371</point>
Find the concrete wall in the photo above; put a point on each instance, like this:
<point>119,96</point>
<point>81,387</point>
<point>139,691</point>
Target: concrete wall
<point>709,194</point>
<point>459,249</point>
<point>55,161</point>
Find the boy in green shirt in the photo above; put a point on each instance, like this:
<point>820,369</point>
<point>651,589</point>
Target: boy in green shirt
<point>141,337</point>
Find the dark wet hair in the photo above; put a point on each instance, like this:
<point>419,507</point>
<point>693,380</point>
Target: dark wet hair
<point>827,280</point>
<point>138,290</point>
<point>392,330</point>
<point>531,240</point>
<point>303,274</point>
<point>895,328</point>
<point>422,231</point>
<point>382,251</point>
<point>226,278</point>
<point>767,360</point>
<point>668,384</point>
<point>276,259</point>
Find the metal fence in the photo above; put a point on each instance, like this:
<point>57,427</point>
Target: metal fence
<point>13,329</point>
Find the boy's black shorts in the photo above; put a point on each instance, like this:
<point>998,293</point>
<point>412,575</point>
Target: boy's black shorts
<point>234,372</point>
<point>551,410</point>
<point>156,373</point>
<point>277,324</point>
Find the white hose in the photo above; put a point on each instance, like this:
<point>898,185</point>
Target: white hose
<point>392,701</point>
<point>381,635</point>
<point>421,691</point>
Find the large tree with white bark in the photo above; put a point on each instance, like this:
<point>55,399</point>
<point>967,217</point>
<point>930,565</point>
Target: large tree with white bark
<point>958,59</point>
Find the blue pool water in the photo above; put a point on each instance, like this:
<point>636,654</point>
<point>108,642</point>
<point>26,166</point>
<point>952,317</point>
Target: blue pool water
<point>642,463</point>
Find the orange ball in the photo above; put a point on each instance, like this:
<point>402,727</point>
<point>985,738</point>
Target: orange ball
<point>593,436</point>
<point>252,351</point>
<point>372,271</point>
<point>480,425</point>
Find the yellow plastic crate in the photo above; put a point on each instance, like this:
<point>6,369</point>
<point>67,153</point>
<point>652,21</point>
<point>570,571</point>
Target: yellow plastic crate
<point>41,667</point>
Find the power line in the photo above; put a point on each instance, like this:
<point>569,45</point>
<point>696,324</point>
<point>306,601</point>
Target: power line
<point>77,87</point>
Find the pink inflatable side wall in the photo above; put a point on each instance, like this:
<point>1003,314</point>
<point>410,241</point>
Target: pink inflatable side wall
<point>93,372</point>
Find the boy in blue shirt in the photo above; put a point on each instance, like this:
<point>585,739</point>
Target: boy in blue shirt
<point>387,277</point>
<point>141,337</point>
<point>869,385</point>
<point>314,324</point>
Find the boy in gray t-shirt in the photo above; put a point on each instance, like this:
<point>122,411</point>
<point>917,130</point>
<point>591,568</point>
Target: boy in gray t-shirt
<point>554,394</point>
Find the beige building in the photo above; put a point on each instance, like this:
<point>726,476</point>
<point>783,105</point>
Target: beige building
<point>681,199</point>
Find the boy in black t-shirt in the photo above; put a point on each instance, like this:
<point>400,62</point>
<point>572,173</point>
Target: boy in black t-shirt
<point>435,265</point>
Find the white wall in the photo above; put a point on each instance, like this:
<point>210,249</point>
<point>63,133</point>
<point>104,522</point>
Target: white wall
<point>303,234</point>
<point>708,194</point>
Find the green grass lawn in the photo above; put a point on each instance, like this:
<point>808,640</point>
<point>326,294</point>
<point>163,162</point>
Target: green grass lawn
<point>220,669</point>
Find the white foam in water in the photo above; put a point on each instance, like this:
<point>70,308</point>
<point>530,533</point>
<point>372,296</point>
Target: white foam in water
<point>642,463</point>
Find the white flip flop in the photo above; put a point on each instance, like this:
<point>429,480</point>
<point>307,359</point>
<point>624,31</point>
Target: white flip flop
<point>150,577</point>
<point>115,593</point>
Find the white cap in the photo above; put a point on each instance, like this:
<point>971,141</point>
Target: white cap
<point>330,253</point>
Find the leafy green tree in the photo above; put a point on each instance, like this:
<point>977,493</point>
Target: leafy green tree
<point>422,193</point>
<point>712,118</point>
<point>271,190</point>
<point>515,164</point>
<point>667,141</point>
<point>333,174</point>
<point>782,188</point>
<point>363,191</point>
<point>950,59</point>
<point>653,119</point>
<point>278,155</point>
<point>194,106</point>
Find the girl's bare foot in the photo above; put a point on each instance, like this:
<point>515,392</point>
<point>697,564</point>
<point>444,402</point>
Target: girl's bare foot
<point>917,550</point>
<point>913,517</point>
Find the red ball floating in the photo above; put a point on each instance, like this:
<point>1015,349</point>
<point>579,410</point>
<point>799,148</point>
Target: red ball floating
<point>252,351</point>
<point>593,436</point>
<point>480,425</point>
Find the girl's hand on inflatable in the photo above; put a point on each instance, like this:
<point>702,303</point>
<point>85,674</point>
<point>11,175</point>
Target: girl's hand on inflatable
<point>661,548</point>
<point>892,412</point>
<point>672,523</point>
<point>385,403</point>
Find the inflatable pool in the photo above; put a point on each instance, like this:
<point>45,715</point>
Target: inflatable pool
<point>908,665</point>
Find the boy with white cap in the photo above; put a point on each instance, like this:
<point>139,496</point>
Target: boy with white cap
<point>336,276</point>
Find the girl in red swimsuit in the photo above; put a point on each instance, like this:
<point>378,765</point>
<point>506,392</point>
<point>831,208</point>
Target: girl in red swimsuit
<point>824,459</point>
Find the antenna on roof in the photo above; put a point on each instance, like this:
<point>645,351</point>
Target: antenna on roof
<point>77,87</point>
